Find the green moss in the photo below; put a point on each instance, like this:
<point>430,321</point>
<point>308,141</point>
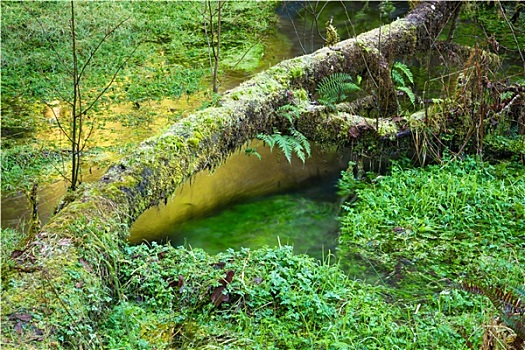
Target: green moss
<point>193,141</point>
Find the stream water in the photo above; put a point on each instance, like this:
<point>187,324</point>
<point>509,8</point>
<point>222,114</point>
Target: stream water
<point>251,202</point>
<point>247,202</point>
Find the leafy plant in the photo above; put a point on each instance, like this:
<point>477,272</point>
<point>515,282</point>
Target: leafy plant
<point>336,88</point>
<point>296,142</point>
<point>252,151</point>
<point>289,144</point>
<point>399,72</point>
<point>444,220</point>
<point>509,304</point>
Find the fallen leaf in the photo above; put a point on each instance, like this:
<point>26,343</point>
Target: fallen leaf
<point>18,328</point>
<point>217,296</point>
<point>85,264</point>
<point>20,316</point>
<point>16,253</point>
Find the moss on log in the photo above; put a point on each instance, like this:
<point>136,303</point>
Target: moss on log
<point>57,287</point>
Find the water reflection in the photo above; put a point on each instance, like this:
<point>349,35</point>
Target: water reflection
<point>241,177</point>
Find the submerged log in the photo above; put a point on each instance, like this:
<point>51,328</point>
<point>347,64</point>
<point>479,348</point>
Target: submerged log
<point>72,262</point>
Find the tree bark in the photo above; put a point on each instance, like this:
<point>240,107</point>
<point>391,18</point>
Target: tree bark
<point>79,246</point>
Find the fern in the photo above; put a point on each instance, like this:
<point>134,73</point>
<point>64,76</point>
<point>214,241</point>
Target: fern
<point>509,305</point>
<point>290,112</point>
<point>397,78</point>
<point>335,88</point>
<point>398,66</point>
<point>269,139</point>
<point>301,145</point>
<point>252,151</point>
<point>408,91</point>
<point>288,144</point>
<point>398,72</point>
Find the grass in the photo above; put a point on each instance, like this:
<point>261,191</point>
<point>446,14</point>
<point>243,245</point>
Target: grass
<point>171,60</point>
<point>424,230</point>
<point>460,219</point>
<point>164,297</point>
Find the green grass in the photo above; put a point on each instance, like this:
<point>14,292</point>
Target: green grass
<point>462,219</point>
<point>276,300</point>
<point>24,165</point>
<point>171,60</point>
<point>423,230</point>
<point>161,296</point>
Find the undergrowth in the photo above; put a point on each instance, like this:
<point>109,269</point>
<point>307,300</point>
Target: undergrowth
<point>274,300</point>
<point>426,230</point>
<point>423,230</point>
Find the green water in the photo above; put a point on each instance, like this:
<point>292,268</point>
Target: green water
<point>306,222</point>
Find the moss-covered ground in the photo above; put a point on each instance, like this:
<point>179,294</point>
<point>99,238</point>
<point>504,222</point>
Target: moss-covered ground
<point>407,243</point>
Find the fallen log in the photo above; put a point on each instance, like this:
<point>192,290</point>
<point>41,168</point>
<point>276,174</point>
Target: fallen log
<point>65,279</point>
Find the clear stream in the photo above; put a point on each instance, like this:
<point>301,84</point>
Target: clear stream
<point>302,217</point>
<point>250,203</point>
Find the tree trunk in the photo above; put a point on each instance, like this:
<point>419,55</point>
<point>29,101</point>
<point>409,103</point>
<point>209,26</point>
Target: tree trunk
<point>78,248</point>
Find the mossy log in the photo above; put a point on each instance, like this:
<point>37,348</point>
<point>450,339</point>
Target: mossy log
<point>62,282</point>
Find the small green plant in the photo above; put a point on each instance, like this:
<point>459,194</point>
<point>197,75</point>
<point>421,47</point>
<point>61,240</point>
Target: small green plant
<point>510,306</point>
<point>296,142</point>
<point>252,151</point>
<point>399,72</point>
<point>336,88</point>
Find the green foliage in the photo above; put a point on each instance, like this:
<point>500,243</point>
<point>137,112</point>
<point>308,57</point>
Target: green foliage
<point>336,88</point>
<point>10,240</point>
<point>399,72</point>
<point>252,151</point>
<point>290,112</point>
<point>171,57</point>
<point>296,142</point>
<point>387,8</point>
<point>490,21</point>
<point>275,299</point>
<point>461,218</point>
<point>24,165</point>
<point>289,144</point>
<point>400,67</point>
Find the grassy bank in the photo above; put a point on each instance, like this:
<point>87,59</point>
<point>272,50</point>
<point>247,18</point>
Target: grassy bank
<point>418,233</point>
<point>409,240</point>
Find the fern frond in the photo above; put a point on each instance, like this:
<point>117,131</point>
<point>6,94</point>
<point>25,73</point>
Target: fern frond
<point>408,91</point>
<point>290,112</point>
<point>406,71</point>
<point>505,302</point>
<point>521,292</point>
<point>285,145</point>
<point>305,144</point>
<point>335,88</point>
<point>397,78</point>
<point>515,324</point>
<point>297,148</point>
<point>508,302</point>
<point>252,151</point>
<point>270,140</point>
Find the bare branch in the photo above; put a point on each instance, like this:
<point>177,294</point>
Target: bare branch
<point>119,68</point>
<point>92,54</point>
